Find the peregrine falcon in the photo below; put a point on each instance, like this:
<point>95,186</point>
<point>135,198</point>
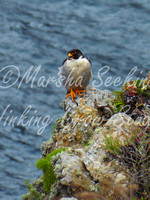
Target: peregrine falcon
<point>76,73</point>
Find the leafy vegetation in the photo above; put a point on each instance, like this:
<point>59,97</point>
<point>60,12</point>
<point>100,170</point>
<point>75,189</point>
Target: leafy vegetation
<point>133,97</point>
<point>111,145</point>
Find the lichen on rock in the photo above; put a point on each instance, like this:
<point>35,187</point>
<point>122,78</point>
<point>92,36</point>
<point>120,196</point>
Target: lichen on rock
<point>82,117</point>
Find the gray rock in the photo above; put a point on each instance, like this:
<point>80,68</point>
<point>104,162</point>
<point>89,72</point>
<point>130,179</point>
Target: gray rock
<point>121,127</point>
<point>91,95</point>
<point>70,171</point>
<point>93,160</point>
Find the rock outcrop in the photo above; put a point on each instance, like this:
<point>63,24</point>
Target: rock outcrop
<point>105,153</point>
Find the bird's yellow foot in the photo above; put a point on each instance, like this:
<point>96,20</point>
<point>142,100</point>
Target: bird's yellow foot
<point>79,92</point>
<point>72,94</point>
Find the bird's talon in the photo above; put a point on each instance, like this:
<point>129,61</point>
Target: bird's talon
<point>72,94</point>
<point>79,92</point>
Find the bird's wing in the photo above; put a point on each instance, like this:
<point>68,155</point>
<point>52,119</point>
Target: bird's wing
<point>64,61</point>
<point>89,61</point>
<point>64,71</point>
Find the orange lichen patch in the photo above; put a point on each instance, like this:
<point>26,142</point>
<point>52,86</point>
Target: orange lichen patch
<point>85,114</point>
<point>80,127</point>
<point>68,138</point>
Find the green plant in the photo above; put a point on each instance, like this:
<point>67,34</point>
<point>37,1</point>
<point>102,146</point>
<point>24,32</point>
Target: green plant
<point>33,193</point>
<point>118,101</point>
<point>48,173</point>
<point>133,98</point>
<point>111,145</point>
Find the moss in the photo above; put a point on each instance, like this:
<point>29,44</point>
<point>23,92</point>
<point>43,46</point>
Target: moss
<point>48,173</point>
<point>33,193</point>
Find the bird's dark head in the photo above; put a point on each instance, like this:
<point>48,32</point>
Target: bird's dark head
<point>74,54</point>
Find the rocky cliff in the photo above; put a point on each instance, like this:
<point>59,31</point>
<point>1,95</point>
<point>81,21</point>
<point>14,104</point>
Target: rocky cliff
<point>99,149</point>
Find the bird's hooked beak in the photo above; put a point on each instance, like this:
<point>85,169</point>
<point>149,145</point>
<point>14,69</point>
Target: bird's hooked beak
<point>71,55</point>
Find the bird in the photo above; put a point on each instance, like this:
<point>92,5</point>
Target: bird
<point>75,73</point>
